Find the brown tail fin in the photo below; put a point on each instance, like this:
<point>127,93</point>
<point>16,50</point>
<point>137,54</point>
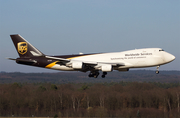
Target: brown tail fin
<point>24,48</point>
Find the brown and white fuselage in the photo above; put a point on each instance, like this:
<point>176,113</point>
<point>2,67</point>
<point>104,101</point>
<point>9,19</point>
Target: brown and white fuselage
<point>95,62</point>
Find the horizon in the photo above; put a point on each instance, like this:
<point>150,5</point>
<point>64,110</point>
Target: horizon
<point>130,70</point>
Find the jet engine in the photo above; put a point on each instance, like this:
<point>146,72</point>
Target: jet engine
<point>106,68</point>
<point>77,65</point>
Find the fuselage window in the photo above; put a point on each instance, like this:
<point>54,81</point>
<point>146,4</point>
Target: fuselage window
<point>161,50</point>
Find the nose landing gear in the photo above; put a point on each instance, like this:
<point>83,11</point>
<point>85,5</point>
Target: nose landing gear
<point>157,71</point>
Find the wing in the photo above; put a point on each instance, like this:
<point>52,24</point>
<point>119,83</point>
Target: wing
<point>60,59</point>
<point>85,66</point>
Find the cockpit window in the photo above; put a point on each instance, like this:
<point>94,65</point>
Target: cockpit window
<point>161,50</point>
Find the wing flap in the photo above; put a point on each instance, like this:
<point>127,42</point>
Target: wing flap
<point>90,62</point>
<point>112,63</point>
<point>102,63</point>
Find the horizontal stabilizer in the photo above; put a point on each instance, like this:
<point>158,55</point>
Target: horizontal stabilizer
<point>11,59</point>
<point>23,61</point>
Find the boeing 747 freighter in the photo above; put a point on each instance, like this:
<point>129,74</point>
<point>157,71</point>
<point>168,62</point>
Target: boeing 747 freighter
<point>95,62</point>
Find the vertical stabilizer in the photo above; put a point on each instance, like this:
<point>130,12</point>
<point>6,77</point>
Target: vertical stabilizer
<point>24,48</point>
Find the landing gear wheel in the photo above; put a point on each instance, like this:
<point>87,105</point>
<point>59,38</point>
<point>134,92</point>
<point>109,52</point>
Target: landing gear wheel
<point>103,76</point>
<point>104,73</point>
<point>157,72</point>
<point>90,75</point>
<point>94,74</point>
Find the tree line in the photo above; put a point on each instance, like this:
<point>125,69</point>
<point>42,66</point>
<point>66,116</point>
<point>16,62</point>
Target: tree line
<point>123,99</point>
<point>79,77</point>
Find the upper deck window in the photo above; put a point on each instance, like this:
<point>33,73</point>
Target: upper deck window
<point>161,50</point>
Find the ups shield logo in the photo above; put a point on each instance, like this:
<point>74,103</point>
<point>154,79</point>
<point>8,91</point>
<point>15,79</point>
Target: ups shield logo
<point>22,47</point>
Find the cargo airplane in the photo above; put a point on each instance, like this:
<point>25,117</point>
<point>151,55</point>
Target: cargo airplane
<point>95,62</point>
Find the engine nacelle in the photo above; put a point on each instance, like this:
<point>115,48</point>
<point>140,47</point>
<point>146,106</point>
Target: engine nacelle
<point>77,65</point>
<point>106,68</point>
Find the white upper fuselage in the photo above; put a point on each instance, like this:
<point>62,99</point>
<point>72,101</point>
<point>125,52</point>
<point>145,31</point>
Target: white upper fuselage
<point>138,58</point>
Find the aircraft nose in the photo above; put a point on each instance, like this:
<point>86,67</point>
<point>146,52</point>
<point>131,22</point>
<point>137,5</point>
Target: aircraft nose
<point>169,57</point>
<point>173,57</point>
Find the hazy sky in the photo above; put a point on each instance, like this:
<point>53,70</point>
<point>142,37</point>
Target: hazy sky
<point>58,27</point>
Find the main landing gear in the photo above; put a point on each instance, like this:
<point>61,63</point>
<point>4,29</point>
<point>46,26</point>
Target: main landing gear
<point>96,73</point>
<point>104,74</point>
<point>157,71</point>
